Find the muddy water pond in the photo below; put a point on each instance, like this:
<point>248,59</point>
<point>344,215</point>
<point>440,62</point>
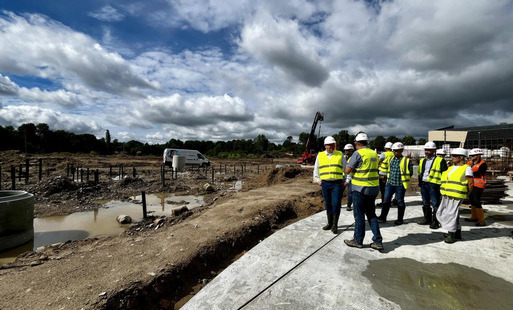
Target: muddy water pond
<point>99,222</point>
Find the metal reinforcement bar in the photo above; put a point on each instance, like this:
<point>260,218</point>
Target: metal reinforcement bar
<point>291,269</point>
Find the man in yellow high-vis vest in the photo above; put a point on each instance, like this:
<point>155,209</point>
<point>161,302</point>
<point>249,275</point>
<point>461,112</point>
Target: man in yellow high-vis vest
<point>330,175</point>
<point>399,173</point>
<point>457,183</point>
<point>365,187</point>
<point>429,176</point>
<point>384,161</point>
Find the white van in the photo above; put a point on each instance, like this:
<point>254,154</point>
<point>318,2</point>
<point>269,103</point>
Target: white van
<point>192,157</point>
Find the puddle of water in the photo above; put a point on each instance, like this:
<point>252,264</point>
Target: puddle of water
<point>415,285</point>
<point>100,222</point>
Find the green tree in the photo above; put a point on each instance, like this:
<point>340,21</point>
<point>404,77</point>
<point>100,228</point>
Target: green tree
<point>393,139</point>
<point>422,141</point>
<point>378,143</point>
<point>261,144</point>
<point>408,140</point>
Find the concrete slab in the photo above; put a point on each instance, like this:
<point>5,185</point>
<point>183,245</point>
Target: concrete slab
<point>303,267</point>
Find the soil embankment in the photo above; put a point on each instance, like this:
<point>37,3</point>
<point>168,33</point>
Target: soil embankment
<point>158,263</point>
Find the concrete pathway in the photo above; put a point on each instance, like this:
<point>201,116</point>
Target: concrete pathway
<point>304,267</point>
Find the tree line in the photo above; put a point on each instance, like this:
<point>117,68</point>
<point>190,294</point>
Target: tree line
<point>39,139</point>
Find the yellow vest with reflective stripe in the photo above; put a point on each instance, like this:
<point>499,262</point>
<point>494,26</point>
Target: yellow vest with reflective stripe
<point>404,167</point>
<point>455,185</point>
<point>384,166</point>
<point>435,175</point>
<point>331,168</point>
<point>367,174</point>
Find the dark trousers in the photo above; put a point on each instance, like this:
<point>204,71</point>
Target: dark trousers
<point>363,205</point>
<point>475,197</point>
<point>332,194</point>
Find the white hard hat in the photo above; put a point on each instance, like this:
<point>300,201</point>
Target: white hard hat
<point>459,151</point>
<point>348,147</point>
<point>475,152</point>
<point>397,146</point>
<point>440,152</point>
<point>430,145</point>
<point>329,140</point>
<point>362,136</point>
<point>388,145</point>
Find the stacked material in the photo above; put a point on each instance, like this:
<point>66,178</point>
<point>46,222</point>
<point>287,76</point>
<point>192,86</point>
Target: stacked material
<point>495,190</point>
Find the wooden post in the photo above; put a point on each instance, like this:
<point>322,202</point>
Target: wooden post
<point>122,172</point>
<point>72,173</point>
<point>133,172</point>
<point>13,177</point>
<point>96,177</point>
<point>40,169</point>
<point>110,170</point>
<point>225,169</point>
<point>242,169</point>
<point>234,171</point>
<point>258,168</point>
<point>20,172</point>
<point>81,175</point>
<point>87,175</point>
<point>162,175</point>
<point>213,174</point>
<point>143,194</point>
<point>27,165</point>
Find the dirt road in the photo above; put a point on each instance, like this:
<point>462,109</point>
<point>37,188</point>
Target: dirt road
<point>159,263</point>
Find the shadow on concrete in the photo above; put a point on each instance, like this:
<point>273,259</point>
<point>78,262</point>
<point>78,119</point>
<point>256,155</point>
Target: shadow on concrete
<point>438,236</point>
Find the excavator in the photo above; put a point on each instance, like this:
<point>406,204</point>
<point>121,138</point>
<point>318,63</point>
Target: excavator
<point>308,157</point>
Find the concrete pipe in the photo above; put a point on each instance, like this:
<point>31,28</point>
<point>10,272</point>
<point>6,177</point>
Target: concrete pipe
<point>16,218</point>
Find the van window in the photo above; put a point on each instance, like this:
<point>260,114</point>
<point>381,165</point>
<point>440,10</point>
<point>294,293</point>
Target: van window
<point>200,156</point>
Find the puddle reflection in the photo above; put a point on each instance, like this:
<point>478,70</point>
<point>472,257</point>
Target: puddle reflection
<point>100,221</point>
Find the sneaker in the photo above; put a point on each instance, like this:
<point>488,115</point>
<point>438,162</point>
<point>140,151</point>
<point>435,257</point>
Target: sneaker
<point>398,222</point>
<point>377,246</point>
<point>352,243</point>
<point>382,220</point>
<point>349,209</point>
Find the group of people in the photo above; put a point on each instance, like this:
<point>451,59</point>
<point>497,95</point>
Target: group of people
<point>365,174</point>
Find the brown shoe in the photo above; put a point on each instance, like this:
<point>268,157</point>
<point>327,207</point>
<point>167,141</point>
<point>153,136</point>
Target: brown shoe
<point>377,246</point>
<point>352,243</point>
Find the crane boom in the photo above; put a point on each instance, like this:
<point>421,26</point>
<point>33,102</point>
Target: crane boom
<point>308,157</point>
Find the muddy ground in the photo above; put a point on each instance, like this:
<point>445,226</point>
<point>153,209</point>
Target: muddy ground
<point>161,262</point>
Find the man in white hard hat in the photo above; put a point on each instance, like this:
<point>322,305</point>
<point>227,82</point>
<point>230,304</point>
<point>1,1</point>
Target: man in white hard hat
<point>399,173</point>
<point>440,153</point>
<point>365,187</point>
<point>330,175</point>
<point>384,159</point>
<point>348,152</point>
<point>479,169</point>
<point>457,182</point>
<point>429,176</point>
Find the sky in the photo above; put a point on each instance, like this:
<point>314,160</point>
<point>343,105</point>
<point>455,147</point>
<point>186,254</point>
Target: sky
<point>219,70</point>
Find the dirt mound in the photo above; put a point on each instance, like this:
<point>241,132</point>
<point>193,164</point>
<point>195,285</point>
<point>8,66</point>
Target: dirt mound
<point>57,185</point>
<point>279,175</point>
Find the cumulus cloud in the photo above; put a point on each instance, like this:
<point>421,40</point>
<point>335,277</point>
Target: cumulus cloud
<point>60,97</point>
<point>18,115</point>
<point>7,87</point>
<point>282,45</point>
<point>52,50</point>
<point>107,14</point>
<point>194,111</point>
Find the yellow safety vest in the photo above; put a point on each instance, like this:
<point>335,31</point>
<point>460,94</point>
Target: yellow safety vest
<point>331,168</point>
<point>386,162</point>
<point>404,167</point>
<point>455,185</point>
<point>435,175</point>
<point>367,174</point>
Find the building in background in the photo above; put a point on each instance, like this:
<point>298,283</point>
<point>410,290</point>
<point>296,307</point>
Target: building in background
<point>492,137</point>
